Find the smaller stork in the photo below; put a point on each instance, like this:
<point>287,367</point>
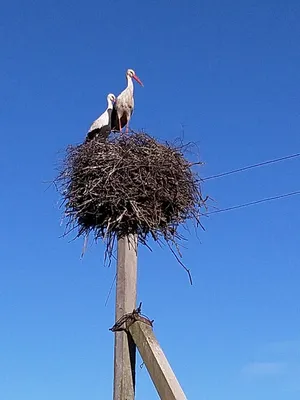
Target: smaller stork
<point>124,105</point>
<point>101,127</point>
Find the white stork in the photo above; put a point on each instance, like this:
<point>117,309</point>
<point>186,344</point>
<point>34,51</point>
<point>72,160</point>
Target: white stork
<point>124,105</point>
<point>101,127</point>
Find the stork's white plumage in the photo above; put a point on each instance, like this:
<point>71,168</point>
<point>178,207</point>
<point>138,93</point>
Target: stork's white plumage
<point>101,127</point>
<point>124,105</point>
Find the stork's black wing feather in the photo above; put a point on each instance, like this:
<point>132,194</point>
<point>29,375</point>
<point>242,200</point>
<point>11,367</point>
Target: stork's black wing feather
<point>114,119</point>
<point>92,134</point>
<point>98,134</point>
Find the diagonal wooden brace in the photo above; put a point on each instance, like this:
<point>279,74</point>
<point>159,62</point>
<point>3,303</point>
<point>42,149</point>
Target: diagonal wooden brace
<point>155,360</point>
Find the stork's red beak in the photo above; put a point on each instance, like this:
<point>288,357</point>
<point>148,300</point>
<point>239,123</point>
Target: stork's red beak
<point>138,80</point>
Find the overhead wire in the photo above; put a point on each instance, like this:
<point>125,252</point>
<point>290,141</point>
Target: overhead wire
<point>267,199</point>
<point>242,169</point>
<point>235,171</point>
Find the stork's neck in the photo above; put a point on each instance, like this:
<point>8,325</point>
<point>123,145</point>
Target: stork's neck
<point>129,83</point>
<point>109,104</point>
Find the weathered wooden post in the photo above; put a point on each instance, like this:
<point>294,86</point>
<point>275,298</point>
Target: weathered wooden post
<point>125,349</point>
<point>161,373</point>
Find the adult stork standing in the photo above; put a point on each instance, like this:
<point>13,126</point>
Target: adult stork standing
<point>124,105</point>
<point>101,127</point>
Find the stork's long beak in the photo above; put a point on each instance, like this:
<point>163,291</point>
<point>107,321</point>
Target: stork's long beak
<point>138,80</point>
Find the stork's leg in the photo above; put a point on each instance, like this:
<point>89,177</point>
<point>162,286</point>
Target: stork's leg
<point>120,129</point>
<point>127,126</point>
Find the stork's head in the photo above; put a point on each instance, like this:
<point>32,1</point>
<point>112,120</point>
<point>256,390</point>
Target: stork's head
<point>111,97</point>
<point>131,74</point>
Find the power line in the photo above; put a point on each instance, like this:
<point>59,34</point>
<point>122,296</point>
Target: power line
<point>234,171</point>
<point>254,202</point>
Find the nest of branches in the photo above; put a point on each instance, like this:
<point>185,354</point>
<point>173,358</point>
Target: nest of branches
<point>131,184</point>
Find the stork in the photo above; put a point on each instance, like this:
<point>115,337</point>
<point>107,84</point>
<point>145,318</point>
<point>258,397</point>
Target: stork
<point>101,127</point>
<point>124,105</point>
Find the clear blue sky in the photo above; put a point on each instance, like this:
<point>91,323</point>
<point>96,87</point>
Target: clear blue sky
<point>229,72</point>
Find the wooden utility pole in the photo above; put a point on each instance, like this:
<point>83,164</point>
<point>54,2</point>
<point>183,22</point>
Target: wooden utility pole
<point>133,330</point>
<point>125,349</point>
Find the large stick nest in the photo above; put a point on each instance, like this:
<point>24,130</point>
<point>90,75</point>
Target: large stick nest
<point>131,184</point>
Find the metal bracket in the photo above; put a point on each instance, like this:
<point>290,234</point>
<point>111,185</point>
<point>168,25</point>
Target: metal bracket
<point>127,320</point>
